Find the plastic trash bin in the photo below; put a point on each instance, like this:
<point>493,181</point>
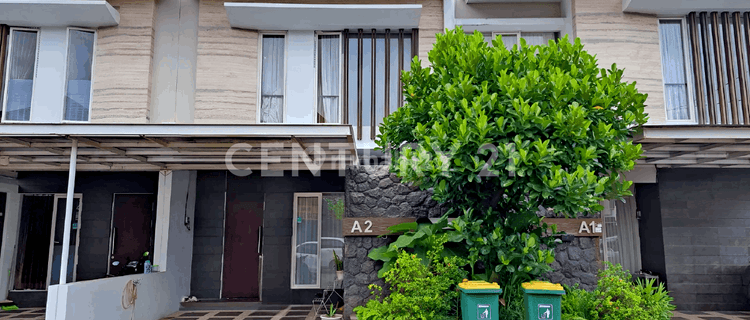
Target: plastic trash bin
<point>479,300</point>
<point>541,300</point>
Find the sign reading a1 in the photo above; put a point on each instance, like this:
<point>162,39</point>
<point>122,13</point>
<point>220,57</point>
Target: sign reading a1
<point>545,312</point>
<point>483,311</point>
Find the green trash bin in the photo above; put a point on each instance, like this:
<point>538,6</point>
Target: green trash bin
<point>479,300</point>
<point>541,300</point>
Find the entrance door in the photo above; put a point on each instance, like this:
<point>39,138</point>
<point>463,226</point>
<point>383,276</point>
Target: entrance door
<point>244,219</point>
<point>40,241</point>
<point>57,245</point>
<point>132,231</point>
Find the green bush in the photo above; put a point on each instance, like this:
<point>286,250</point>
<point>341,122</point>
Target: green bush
<point>617,297</point>
<point>497,133</point>
<point>418,291</point>
<point>576,304</point>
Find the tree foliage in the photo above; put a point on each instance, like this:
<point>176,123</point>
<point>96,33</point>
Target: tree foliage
<point>499,133</point>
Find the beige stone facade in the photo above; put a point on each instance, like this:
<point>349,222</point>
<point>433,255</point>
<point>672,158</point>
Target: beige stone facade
<point>630,40</point>
<point>122,71</point>
<point>227,78</point>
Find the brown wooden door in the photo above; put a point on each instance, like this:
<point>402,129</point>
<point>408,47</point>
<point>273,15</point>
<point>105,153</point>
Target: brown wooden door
<point>241,239</point>
<point>132,229</point>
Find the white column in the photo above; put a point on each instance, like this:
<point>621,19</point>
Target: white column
<point>68,213</point>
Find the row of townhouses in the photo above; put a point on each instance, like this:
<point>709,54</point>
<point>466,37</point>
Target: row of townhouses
<point>219,136</point>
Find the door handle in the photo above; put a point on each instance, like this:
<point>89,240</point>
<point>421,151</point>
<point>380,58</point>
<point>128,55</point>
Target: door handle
<point>260,239</point>
<point>114,240</point>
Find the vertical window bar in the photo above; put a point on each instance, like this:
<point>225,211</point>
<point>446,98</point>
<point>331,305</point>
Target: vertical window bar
<point>414,42</point>
<point>4,29</point>
<point>719,67</point>
<point>319,58</point>
<point>730,67</point>
<point>373,119</point>
<point>387,72</point>
<point>697,67</point>
<point>744,57</point>
<point>711,100</point>
<point>400,67</point>
<point>345,87</point>
<point>359,84</point>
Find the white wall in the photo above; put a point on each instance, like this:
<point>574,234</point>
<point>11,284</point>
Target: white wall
<point>159,294</point>
<point>49,82</point>
<point>300,77</point>
<point>12,216</point>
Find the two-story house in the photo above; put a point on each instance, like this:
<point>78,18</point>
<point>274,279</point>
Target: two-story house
<point>214,135</point>
<point>209,137</point>
<point>687,222</point>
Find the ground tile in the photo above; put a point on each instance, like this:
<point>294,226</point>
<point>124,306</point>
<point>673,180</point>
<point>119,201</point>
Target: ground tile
<point>194,314</point>
<point>229,314</point>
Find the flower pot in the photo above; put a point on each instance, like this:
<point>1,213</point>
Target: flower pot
<point>340,275</point>
<point>335,317</point>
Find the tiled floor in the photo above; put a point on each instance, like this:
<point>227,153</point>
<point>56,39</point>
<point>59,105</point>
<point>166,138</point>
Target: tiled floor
<point>303,313</point>
<point>710,315</point>
<point>32,314</point>
<point>287,313</point>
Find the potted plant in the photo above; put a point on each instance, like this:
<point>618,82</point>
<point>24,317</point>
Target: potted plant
<point>339,266</point>
<point>331,314</point>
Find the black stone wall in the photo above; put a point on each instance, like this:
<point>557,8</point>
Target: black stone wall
<point>371,191</point>
<point>705,216</point>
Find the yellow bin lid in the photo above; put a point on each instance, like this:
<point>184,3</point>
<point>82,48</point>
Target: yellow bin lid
<point>542,286</point>
<point>479,287</point>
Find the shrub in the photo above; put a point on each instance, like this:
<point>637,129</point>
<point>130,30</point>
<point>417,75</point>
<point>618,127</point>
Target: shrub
<point>418,291</point>
<point>656,300</point>
<point>617,297</point>
<point>576,304</point>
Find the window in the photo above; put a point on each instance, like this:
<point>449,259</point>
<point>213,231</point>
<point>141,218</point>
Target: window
<point>272,78</point>
<point>513,38</point>
<point>78,75</point>
<point>373,61</point>
<point>674,70</point>
<point>329,78</point>
<point>716,67</point>
<point>19,74</point>
<point>318,233</point>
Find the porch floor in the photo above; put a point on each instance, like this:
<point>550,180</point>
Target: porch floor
<point>711,315</point>
<point>297,312</point>
<point>29,313</point>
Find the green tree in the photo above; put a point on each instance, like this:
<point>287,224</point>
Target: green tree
<point>498,134</point>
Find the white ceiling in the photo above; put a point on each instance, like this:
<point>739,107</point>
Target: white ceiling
<point>683,7</point>
<point>277,16</point>
<point>58,13</point>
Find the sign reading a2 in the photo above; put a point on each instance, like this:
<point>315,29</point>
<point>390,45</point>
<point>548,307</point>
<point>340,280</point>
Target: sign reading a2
<point>357,228</point>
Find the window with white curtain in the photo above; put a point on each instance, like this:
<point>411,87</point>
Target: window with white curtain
<point>514,38</point>
<point>272,78</point>
<point>329,78</point>
<point>622,244</point>
<point>317,234</point>
<point>78,75</point>
<point>20,73</point>
<point>674,70</point>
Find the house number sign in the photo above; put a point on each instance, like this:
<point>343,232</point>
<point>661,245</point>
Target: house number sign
<point>578,227</point>
<point>374,226</point>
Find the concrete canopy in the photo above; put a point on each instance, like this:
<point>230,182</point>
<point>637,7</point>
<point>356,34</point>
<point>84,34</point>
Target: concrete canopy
<point>682,7</point>
<point>127,147</point>
<point>695,146</point>
<point>58,13</point>
<point>279,16</point>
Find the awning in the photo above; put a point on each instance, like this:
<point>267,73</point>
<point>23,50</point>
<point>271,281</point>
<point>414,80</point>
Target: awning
<point>682,7</point>
<point>284,16</point>
<point>695,146</point>
<point>133,147</point>
<point>58,13</point>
